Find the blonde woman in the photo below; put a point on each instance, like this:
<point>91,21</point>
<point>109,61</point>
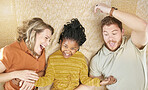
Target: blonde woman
<point>25,58</point>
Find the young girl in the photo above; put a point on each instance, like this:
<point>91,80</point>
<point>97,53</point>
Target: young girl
<point>67,67</point>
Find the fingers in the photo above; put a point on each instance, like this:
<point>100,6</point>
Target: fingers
<point>27,86</point>
<point>32,78</point>
<point>21,83</point>
<point>103,8</point>
<point>27,75</point>
<point>23,86</point>
<point>31,72</point>
<point>96,8</point>
<point>114,80</point>
<point>111,80</point>
<point>108,81</point>
<point>30,86</point>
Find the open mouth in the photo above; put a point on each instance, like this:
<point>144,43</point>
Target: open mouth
<point>112,44</point>
<point>66,55</point>
<point>42,47</point>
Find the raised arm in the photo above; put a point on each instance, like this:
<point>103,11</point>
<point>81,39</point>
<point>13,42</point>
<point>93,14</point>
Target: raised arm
<point>139,33</point>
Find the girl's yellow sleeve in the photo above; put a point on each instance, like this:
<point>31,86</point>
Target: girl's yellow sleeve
<point>48,78</point>
<point>85,80</point>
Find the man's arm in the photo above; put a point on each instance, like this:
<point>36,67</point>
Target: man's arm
<point>139,34</point>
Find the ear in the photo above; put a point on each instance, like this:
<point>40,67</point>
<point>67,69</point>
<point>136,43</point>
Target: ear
<point>122,32</point>
<point>78,49</point>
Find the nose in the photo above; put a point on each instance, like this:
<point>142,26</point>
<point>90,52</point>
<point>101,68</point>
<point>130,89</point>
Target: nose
<point>67,51</point>
<point>47,42</point>
<point>110,37</point>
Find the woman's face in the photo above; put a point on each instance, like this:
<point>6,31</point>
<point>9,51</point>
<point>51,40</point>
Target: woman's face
<point>42,40</point>
<point>68,47</point>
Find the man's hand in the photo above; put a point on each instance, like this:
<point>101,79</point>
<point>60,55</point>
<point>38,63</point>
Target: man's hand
<point>103,8</point>
<point>108,81</point>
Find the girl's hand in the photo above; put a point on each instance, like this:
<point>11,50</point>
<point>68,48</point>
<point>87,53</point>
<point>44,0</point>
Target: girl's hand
<point>26,85</point>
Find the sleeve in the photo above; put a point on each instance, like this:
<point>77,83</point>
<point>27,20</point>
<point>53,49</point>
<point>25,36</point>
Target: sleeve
<point>139,52</point>
<point>6,57</point>
<point>132,45</point>
<point>85,80</point>
<point>48,78</point>
<point>94,67</point>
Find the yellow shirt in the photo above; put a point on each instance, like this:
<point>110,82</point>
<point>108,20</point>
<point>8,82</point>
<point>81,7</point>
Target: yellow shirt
<point>65,73</point>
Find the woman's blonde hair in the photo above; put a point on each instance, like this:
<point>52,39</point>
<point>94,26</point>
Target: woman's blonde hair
<point>29,30</point>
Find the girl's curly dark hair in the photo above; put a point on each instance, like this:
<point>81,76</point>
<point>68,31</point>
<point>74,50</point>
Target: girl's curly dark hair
<point>74,31</point>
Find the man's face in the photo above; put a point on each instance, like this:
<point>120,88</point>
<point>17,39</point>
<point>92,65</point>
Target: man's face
<point>112,36</point>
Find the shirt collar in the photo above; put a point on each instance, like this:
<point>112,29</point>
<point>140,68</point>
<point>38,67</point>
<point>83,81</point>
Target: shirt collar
<point>24,46</point>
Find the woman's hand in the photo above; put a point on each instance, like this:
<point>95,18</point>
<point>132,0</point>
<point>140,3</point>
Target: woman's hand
<point>108,81</point>
<point>26,75</point>
<point>27,85</point>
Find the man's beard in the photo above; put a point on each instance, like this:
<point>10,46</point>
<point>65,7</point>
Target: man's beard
<point>118,45</point>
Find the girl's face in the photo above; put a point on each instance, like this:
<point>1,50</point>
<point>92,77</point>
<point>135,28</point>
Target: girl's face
<point>42,40</point>
<point>68,47</point>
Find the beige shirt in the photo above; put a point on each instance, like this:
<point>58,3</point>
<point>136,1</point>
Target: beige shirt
<point>127,64</point>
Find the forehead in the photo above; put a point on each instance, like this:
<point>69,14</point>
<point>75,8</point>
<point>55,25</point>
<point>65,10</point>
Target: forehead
<point>46,32</point>
<point>70,42</point>
<point>111,28</point>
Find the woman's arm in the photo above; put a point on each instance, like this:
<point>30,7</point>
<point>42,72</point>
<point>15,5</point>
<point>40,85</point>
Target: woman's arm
<point>27,85</point>
<point>25,75</point>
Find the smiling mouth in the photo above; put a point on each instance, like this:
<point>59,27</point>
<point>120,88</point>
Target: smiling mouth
<point>42,47</point>
<point>66,55</point>
<point>112,44</point>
